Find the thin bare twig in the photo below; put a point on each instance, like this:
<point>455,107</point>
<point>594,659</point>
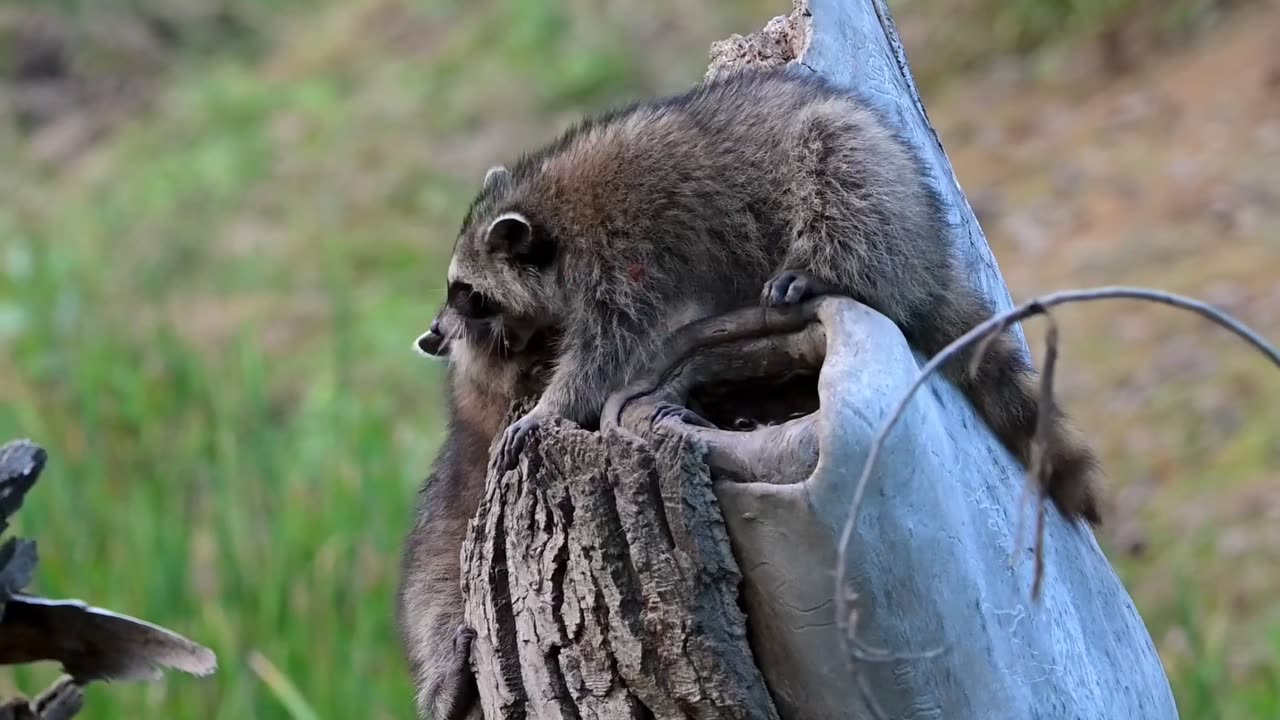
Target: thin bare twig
<point>997,323</point>
<point>1038,472</point>
<point>1038,476</point>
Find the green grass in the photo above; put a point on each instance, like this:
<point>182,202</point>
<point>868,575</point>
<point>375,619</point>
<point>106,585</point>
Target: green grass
<point>206,321</point>
<point>252,497</point>
<point>236,424</point>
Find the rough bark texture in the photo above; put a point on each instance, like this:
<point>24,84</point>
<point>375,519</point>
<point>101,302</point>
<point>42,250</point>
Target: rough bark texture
<point>603,585</point>
<point>599,576</point>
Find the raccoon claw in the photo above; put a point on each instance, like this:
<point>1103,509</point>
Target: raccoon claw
<point>462,639</point>
<point>513,441</point>
<point>667,411</point>
<point>790,287</point>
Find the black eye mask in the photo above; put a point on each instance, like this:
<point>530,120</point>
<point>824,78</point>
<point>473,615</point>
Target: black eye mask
<point>471,304</point>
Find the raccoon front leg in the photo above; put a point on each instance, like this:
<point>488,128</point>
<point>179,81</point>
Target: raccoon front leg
<point>564,397</point>
<point>861,218</point>
<point>572,405</point>
<point>515,437</point>
<point>567,396</point>
<point>598,355</point>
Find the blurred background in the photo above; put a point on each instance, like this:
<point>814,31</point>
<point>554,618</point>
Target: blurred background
<point>223,222</point>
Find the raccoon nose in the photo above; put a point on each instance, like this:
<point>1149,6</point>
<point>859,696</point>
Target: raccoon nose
<point>432,343</point>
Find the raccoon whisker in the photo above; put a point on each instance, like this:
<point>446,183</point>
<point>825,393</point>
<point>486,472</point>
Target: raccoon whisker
<point>494,341</point>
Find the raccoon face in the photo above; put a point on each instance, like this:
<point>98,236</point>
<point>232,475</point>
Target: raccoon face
<point>500,280</point>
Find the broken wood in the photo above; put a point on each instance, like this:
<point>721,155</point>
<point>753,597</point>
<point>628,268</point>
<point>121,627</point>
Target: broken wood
<point>91,644</point>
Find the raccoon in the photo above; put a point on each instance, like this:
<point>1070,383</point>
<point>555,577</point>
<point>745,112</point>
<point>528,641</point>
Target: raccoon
<point>761,186</point>
<point>484,380</point>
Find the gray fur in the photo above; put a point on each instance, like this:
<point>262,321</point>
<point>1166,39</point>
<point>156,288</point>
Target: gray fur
<point>482,386</point>
<point>495,177</point>
<point>699,200</point>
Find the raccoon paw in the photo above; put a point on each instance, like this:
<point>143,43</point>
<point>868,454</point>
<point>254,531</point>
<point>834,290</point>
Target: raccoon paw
<point>667,411</point>
<point>513,441</point>
<point>455,694</point>
<point>791,287</point>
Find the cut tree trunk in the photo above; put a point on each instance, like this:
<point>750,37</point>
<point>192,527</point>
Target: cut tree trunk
<point>666,570</point>
<point>602,584</point>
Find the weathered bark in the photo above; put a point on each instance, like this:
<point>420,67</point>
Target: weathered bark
<point>603,586</point>
<point>599,575</point>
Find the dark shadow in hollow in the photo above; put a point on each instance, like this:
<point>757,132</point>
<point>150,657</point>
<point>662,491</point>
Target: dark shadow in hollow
<point>745,404</point>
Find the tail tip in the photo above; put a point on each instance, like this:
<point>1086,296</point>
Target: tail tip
<point>1073,483</point>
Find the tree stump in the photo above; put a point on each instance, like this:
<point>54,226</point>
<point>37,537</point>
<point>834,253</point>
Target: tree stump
<point>603,585</point>
<point>656,569</point>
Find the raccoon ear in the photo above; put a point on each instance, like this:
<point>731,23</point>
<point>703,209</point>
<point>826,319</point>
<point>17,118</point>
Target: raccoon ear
<point>514,237</point>
<point>509,234</point>
<point>496,175</point>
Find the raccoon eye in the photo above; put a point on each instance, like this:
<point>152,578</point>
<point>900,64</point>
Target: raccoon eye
<point>481,306</point>
<point>470,303</point>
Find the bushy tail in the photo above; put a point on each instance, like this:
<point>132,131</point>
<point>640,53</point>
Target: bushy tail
<point>1004,390</point>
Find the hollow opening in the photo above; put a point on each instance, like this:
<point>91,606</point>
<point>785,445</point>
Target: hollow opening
<point>746,404</point>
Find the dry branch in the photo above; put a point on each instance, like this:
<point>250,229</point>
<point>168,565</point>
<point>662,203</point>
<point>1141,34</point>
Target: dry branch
<point>91,644</point>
